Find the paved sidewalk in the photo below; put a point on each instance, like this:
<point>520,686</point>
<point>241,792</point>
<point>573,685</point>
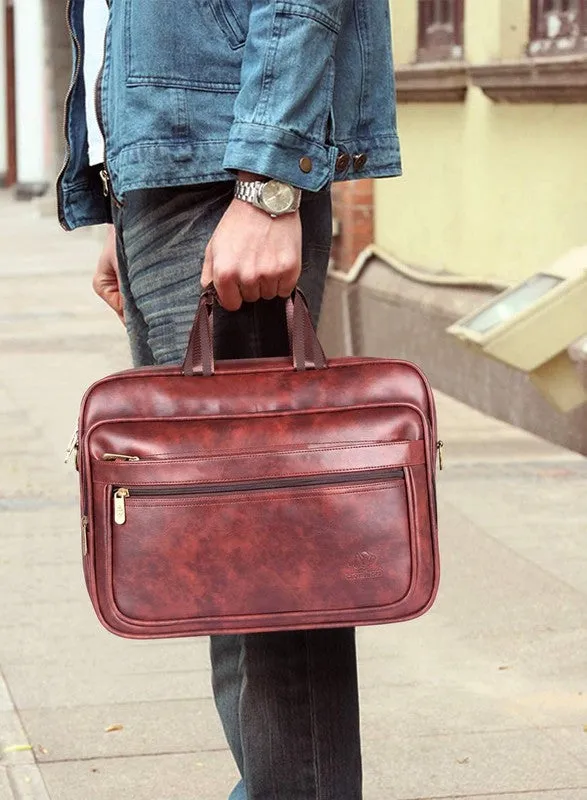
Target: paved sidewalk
<point>485,697</point>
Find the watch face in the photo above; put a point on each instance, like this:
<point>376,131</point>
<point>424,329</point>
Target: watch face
<point>278,197</point>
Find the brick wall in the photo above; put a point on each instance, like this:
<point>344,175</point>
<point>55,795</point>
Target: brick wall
<point>353,210</point>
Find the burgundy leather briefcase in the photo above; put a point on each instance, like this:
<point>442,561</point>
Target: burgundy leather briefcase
<point>258,495</point>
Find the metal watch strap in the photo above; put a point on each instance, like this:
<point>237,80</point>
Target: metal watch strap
<point>248,191</point>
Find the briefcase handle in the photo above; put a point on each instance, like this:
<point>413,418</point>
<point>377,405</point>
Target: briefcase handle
<point>306,350</point>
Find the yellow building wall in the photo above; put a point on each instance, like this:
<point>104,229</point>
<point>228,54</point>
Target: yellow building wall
<point>488,189</point>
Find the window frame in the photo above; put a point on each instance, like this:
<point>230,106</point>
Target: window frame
<point>451,50</point>
<point>569,43</point>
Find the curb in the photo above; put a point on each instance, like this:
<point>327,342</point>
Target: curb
<point>18,769</point>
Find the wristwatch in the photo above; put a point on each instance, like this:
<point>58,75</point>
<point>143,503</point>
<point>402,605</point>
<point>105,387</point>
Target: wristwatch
<point>273,197</point>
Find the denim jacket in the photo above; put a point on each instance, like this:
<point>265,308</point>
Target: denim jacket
<point>192,90</point>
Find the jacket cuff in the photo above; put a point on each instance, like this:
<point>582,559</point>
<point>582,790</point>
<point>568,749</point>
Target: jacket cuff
<point>280,154</point>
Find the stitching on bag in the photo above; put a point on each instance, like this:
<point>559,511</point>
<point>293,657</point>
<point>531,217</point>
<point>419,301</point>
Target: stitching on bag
<point>275,453</point>
<point>247,415</point>
<point>155,372</point>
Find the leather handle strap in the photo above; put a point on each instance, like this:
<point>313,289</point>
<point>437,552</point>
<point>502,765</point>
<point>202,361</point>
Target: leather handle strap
<point>199,357</point>
<point>306,350</point>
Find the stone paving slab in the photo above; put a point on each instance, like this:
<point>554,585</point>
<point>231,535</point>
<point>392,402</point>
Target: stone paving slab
<point>417,710</point>
<point>12,739</point>
<point>175,776</point>
<point>116,656</point>
<point>556,794</point>
<point>149,728</point>
<point>483,578</point>
<point>469,764</point>
<point>5,790</point>
<point>20,778</point>
<point>572,739</point>
<point>61,687</point>
<point>562,794</point>
<point>27,782</point>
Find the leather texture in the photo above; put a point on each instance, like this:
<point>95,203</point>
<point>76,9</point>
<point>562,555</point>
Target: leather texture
<point>269,494</point>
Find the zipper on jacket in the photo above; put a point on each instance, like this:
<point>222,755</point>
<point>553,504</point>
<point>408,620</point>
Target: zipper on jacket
<point>104,175</point>
<point>105,182</point>
<point>67,156</point>
<point>268,484</point>
<point>74,77</point>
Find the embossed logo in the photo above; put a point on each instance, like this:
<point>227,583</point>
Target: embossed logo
<point>364,565</point>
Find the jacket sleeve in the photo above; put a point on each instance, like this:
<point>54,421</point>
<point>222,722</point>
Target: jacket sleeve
<point>283,110</point>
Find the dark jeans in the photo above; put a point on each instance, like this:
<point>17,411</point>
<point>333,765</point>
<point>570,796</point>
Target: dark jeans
<point>288,701</point>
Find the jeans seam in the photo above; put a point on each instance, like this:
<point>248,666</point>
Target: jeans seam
<point>316,752</point>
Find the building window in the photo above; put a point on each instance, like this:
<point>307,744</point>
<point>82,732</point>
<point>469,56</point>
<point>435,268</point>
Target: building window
<point>557,27</point>
<point>440,30</point>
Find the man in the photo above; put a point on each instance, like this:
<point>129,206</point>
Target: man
<point>224,123</point>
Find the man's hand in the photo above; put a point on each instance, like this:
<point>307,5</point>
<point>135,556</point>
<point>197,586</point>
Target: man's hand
<point>105,282</point>
<point>252,255</point>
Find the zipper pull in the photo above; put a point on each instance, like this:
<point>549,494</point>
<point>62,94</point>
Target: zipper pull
<point>105,178</point>
<point>72,446</point>
<point>119,457</point>
<point>119,505</point>
<point>85,535</point>
<point>440,448</point>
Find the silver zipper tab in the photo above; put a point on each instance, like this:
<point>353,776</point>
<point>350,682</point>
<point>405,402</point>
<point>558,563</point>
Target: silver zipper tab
<point>85,535</point>
<point>105,182</point>
<point>440,448</point>
<point>72,446</point>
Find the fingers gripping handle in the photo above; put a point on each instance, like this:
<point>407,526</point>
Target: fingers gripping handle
<point>305,348</point>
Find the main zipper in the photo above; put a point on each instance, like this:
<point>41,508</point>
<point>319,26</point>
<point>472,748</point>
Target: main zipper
<point>194,490</point>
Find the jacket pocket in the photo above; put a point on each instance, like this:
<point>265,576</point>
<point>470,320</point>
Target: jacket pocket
<point>229,22</point>
<point>191,43</point>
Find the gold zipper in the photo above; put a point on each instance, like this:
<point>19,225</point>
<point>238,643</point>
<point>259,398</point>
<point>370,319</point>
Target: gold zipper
<point>119,457</point>
<point>120,496</point>
<point>440,448</point>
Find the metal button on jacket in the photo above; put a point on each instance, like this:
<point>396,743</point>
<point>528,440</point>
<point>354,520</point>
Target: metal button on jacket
<point>342,162</point>
<point>306,164</point>
<point>359,160</point>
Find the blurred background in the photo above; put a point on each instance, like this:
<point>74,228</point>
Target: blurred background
<point>486,696</point>
<point>492,98</point>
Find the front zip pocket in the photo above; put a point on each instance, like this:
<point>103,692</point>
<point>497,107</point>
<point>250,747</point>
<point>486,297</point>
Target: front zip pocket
<point>327,540</point>
<point>267,484</point>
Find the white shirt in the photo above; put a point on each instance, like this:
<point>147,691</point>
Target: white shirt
<point>95,21</point>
